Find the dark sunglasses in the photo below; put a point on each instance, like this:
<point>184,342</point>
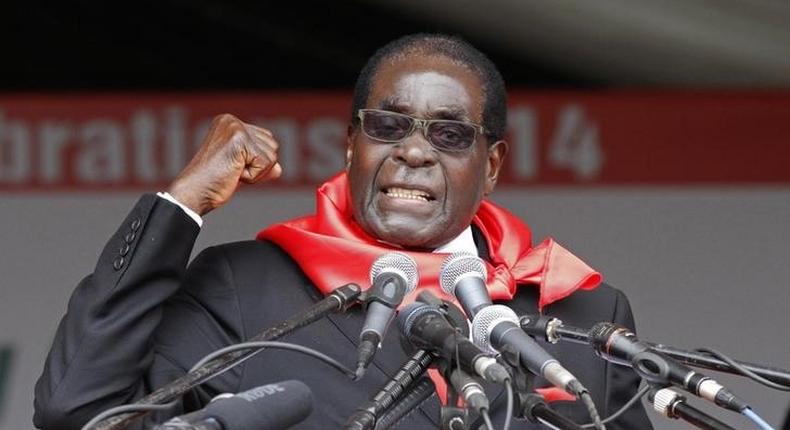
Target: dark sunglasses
<point>444,134</point>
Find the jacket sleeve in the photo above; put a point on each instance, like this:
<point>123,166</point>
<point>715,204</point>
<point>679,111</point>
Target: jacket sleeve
<point>103,346</point>
<point>621,382</point>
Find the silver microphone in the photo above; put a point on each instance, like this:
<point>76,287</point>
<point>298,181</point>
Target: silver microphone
<point>463,275</point>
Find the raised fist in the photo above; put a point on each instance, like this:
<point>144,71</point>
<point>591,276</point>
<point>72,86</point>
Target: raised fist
<point>232,152</point>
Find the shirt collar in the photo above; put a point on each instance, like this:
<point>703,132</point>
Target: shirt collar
<point>464,242</point>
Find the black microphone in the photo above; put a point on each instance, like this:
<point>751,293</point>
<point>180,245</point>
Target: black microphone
<point>670,404</point>
<point>463,275</point>
<point>426,327</point>
<point>273,406</point>
<point>367,415</point>
<point>392,276</point>
<point>618,344</point>
<point>472,392</point>
<point>496,328</point>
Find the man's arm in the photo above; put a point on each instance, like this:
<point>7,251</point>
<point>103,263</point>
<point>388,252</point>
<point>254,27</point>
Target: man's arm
<point>102,348</point>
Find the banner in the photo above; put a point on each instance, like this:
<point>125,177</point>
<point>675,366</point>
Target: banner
<point>79,142</point>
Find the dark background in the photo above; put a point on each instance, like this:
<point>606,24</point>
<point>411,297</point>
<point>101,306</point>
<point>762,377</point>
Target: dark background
<point>187,45</point>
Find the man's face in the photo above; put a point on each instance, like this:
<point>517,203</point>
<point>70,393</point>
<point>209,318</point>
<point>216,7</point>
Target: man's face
<point>409,193</point>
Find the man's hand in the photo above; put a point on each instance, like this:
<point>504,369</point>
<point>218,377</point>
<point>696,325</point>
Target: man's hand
<point>232,152</point>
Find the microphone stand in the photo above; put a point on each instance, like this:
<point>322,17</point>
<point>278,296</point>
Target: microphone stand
<point>365,416</point>
<point>419,392</point>
<point>338,301</point>
<point>551,330</point>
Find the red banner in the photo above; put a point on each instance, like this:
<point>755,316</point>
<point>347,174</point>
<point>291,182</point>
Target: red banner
<point>84,142</point>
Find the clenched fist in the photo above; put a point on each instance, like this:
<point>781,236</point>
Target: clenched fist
<point>232,152</point>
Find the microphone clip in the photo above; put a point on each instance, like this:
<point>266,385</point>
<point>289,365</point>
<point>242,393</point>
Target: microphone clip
<point>389,291</point>
<point>347,296</point>
<point>452,313</point>
<point>541,326</point>
<point>523,380</point>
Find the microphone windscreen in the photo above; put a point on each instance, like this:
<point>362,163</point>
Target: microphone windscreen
<point>458,266</point>
<point>409,315</point>
<point>486,320</point>
<point>273,406</point>
<point>399,263</point>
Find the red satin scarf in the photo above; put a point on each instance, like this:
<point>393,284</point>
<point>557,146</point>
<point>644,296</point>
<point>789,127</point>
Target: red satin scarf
<point>333,250</point>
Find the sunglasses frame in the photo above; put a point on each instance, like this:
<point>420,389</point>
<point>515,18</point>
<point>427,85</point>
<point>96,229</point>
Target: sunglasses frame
<point>422,124</point>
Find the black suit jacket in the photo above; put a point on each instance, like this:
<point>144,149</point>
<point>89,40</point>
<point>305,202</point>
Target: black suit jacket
<point>142,319</point>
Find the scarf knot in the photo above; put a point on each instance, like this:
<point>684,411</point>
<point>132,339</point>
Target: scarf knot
<point>501,284</point>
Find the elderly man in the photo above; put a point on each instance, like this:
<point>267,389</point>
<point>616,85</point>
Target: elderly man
<point>425,146</point>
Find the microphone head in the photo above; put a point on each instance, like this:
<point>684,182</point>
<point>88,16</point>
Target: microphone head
<point>485,321</point>
<point>273,406</point>
<point>397,263</point>
<point>410,313</point>
<point>459,265</point>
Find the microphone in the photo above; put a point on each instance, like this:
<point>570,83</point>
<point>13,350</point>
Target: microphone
<point>426,328</point>
<point>670,404</point>
<point>463,275</point>
<point>273,406</point>
<point>618,344</point>
<point>472,392</point>
<point>496,328</point>
<point>392,276</point>
<point>366,416</point>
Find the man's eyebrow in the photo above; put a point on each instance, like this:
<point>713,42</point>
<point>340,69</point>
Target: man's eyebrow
<point>456,113</point>
<point>393,105</point>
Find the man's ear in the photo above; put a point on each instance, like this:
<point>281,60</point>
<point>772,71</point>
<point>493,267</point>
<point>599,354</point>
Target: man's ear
<point>496,158</point>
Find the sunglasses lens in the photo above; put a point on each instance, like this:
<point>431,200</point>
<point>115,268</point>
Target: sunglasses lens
<point>445,135</point>
<point>451,135</point>
<point>388,127</point>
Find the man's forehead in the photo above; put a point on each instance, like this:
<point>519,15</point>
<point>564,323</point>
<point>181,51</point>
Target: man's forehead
<point>441,110</point>
<point>431,92</point>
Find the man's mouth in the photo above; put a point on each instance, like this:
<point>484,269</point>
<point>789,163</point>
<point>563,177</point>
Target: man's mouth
<point>408,194</point>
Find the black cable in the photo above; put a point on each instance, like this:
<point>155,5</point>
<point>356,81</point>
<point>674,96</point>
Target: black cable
<point>276,345</point>
<point>123,409</point>
<point>625,407</point>
<point>510,404</point>
<point>743,370</point>
<point>340,299</point>
<point>588,402</point>
<point>228,349</point>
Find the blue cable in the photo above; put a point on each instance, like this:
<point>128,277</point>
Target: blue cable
<point>756,418</point>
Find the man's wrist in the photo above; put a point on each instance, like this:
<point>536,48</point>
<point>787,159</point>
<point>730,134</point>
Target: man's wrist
<point>192,214</point>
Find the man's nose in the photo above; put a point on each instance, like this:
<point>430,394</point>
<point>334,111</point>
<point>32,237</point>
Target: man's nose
<point>416,151</point>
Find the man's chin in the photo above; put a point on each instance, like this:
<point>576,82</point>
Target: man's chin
<point>411,234</point>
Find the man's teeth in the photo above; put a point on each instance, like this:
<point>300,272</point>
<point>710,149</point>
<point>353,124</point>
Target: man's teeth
<point>404,193</point>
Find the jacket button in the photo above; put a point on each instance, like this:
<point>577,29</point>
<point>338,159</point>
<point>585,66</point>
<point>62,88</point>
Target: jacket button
<point>135,224</point>
<point>129,237</point>
<point>124,249</point>
<point>118,263</point>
